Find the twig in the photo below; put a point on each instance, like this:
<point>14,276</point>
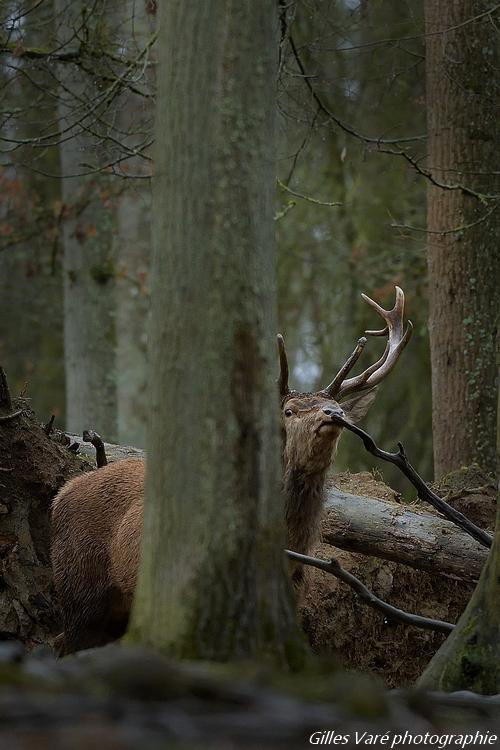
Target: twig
<point>8,417</point>
<point>49,427</point>
<point>481,197</point>
<point>334,567</point>
<point>342,125</point>
<point>400,460</point>
<point>307,198</point>
<point>283,212</point>
<point>89,436</point>
<point>5,400</point>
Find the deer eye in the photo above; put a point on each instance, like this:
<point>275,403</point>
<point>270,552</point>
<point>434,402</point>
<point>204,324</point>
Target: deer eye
<point>288,412</point>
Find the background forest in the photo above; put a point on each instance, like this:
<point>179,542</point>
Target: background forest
<point>77,112</point>
<point>77,107</point>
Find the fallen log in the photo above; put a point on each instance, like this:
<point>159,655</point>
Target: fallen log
<point>392,531</point>
<point>375,527</point>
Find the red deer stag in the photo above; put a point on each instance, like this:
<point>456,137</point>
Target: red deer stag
<point>312,435</point>
<point>97,517</point>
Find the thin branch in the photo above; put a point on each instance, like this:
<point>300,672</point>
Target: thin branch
<point>482,197</point>
<point>305,197</point>
<point>9,417</point>
<point>283,211</point>
<point>89,436</point>
<point>346,128</point>
<point>400,460</point>
<point>454,230</point>
<point>334,567</point>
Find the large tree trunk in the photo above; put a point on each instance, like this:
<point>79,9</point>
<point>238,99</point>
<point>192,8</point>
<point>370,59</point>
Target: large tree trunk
<point>88,267</point>
<point>463,85</point>
<point>213,582</point>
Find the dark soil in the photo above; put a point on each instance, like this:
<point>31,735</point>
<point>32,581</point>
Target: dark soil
<point>472,492</point>
<point>33,467</point>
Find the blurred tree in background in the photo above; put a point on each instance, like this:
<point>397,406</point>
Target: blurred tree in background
<point>76,105</point>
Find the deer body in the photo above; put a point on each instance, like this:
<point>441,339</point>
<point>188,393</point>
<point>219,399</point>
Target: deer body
<point>96,532</point>
<point>97,517</point>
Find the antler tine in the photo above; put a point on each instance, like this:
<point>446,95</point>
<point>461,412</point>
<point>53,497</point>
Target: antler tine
<point>377,371</point>
<point>283,378</point>
<point>334,387</point>
<point>397,340</point>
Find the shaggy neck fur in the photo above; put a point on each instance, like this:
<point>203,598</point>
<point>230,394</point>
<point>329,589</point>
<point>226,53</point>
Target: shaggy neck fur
<point>304,501</point>
<point>305,496</point>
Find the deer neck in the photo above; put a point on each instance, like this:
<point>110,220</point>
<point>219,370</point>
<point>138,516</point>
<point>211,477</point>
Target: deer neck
<point>304,501</point>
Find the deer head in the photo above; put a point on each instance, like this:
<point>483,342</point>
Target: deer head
<point>311,433</point>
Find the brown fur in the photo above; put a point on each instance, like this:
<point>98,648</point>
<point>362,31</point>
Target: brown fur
<point>97,522</point>
<point>311,439</point>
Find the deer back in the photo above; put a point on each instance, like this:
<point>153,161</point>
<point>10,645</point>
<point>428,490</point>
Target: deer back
<point>96,531</point>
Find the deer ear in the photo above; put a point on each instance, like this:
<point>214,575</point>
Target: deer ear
<point>355,408</point>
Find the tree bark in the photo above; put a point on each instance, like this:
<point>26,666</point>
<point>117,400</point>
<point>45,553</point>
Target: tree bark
<point>133,244</point>
<point>388,530</point>
<point>88,266</point>
<point>463,59</point>
<point>212,582</point>
<point>470,657</point>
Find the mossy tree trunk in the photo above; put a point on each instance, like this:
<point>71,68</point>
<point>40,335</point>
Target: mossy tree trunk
<point>463,86</point>
<point>213,583</point>
<point>470,657</point>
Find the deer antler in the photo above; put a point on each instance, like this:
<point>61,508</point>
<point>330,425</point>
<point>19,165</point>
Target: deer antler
<point>283,378</point>
<point>397,340</point>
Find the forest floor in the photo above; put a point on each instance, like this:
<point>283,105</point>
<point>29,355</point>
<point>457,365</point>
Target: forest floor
<point>128,698</point>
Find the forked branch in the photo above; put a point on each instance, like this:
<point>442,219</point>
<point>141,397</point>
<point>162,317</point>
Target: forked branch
<point>400,460</point>
<point>334,567</point>
<point>89,436</point>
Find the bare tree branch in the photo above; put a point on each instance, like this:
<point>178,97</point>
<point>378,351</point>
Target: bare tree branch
<point>334,567</point>
<point>400,460</point>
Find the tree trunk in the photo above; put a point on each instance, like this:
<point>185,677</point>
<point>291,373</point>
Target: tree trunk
<point>88,267</point>
<point>133,243</point>
<point>463,85</point>
<point>213,582</point>
<point>132,305</point>
<point>470,657</point>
